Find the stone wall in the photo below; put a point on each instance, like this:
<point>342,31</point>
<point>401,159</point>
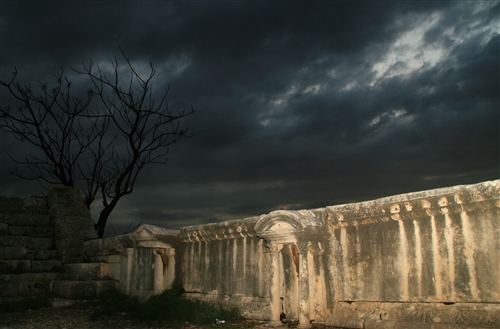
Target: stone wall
<point>227,262</point>
<point>38,235</point>
<point>429,257</point>
<point>417,260</point>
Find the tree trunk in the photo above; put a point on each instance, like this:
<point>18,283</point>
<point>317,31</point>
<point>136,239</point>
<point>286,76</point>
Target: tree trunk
<point>103,217</point>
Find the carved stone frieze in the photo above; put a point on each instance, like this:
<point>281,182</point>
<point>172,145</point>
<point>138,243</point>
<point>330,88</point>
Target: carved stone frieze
<point>464,198</point>
<point>233,229</point>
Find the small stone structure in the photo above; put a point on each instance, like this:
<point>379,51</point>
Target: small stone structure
<point>428,259</point>
<point>142,263</point>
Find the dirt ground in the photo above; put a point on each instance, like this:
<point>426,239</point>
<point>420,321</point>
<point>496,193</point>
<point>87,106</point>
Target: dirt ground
<point>77,317</point>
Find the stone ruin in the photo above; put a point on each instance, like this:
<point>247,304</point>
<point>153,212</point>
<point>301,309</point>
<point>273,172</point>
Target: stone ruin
<point>419,260</point>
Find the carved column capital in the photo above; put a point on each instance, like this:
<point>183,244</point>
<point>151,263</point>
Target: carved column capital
<point>303,247</point>
<point>274,247</point>
<point>171,252</point>
<point>129,251</point>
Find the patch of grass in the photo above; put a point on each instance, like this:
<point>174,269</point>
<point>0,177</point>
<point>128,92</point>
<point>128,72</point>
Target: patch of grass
<point>25,304</point>
<point>167,307</point>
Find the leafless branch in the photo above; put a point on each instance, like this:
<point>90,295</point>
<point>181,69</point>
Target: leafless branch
<point>101,149</point>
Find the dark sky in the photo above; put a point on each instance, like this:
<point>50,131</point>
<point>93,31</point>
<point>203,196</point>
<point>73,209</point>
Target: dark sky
<point>298,104</point>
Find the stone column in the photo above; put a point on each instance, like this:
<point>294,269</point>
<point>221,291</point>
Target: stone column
<point>129,252</point>
<point>158,273</point>
<point>304,308</point>
<point>274,294</point>
<point>171,267</point>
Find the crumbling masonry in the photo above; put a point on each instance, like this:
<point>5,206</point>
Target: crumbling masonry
<point>429,259</point>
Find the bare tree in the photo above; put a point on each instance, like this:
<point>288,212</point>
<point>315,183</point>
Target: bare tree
<point>53,121</point>
<point>100,149</point>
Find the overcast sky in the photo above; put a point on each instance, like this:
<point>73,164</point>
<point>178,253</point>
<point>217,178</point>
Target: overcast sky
<point>298,105</point>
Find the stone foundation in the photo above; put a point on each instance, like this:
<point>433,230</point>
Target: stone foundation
<point>368,315</point>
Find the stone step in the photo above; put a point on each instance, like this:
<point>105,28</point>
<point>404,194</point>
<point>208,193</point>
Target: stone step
<point>46,266</point>
<point>26,265</point>
<point>37,220</point>
<point>71,289</point>
<point>13,253</point>
<point>27,242</point>
<point>83,271</point>
<point>20,253</point>
<point>27,284</point>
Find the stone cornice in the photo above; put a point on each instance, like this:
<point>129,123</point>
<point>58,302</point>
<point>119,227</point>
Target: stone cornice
<point>416,205</point>
<point>408,206</point>
<point>232,229</point>
<point>289,225</point>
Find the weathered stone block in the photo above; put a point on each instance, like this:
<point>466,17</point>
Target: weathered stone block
<point>4,229</point>
<point>9,218</point>
<point>117,243</point>
<point>15,266</point>
<point>93,246</point>
<point>8,286</point>
<point>30,254</point>
<point>33,220</point>
<point>40,232</point>
<point>36,283</point>
<point>113,259</point>
<point>100,258</point>
<point>13,241</point>
<point>66,201</point>
<point>110,270</point>
<point>11,205</point>
<point>46,254</point>
<point>73,289</point>
<point>105,285</point>
<point>74,227</point>
<point>80,289</point>
<point>432,315</point>
<point>35,206</point>
<point>83,271</point>
<point>40,243</point>
<point>17,230</point>
<point>46,265</point>
<point>70,250</point>
<point>13,252</point>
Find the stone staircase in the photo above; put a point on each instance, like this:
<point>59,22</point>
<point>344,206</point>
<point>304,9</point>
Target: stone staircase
<point>42,247</point>
<point>29,260</point>
<point>84,280</point>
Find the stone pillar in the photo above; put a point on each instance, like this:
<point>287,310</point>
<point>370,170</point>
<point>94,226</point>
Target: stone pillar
<point>304,304</point>
<point>171,268</point>
<point>127,274</point>
<point>274,285</point>
<point>158,273</point>
<point>73,224</point>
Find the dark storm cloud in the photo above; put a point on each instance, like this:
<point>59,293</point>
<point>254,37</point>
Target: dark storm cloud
<point>299,104</point>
